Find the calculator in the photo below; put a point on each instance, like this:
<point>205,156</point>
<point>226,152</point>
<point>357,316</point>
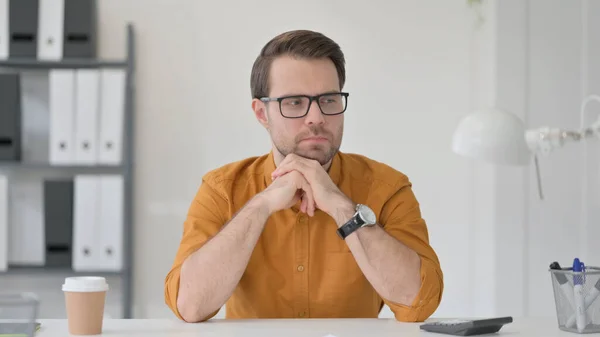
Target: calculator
<point>467,327</point>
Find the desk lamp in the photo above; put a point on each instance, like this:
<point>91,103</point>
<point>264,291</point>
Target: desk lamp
<point>500,137</point>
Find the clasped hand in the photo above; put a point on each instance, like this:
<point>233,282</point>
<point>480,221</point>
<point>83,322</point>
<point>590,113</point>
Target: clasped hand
<point>298,178</point>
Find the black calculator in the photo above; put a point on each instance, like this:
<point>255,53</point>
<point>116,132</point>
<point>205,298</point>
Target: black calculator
<point>467,327</point>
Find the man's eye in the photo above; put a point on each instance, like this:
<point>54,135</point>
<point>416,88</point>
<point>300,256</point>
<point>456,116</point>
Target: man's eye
<point>293,102</point>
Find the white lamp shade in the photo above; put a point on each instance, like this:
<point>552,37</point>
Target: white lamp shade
<point>494,136</point>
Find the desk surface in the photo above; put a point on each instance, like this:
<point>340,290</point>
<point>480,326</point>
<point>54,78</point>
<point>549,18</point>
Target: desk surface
<point>289,328</point>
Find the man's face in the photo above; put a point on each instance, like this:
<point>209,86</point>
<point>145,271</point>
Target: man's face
<point>314,136</point>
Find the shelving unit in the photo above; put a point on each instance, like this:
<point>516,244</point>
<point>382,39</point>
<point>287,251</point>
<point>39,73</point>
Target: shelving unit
<point>78,168</point>
<point>64,64</point>
<point>126,169</point>
<point>18,270</point>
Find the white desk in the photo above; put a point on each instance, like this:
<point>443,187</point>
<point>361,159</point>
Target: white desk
<point>289,328</point>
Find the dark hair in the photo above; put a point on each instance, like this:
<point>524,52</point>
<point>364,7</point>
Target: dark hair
<point>297,43</point>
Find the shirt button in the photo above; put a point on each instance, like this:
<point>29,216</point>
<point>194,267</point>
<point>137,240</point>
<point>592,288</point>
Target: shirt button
<point>300,268</point>
<point>302,219</point>
<point>301,314</point>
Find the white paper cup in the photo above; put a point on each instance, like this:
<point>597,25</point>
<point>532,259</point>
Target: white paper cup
<point>84,300</point>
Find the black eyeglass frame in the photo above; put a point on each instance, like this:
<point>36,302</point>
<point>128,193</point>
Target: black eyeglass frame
<point>310,100</point>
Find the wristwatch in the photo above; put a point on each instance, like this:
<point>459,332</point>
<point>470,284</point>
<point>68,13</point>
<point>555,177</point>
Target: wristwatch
<point>363,217</point>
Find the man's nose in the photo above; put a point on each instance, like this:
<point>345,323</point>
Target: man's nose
<point>314,115</point>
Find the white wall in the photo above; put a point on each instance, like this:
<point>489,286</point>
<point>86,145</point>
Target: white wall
<point>563,69</point>
<point>544,62</point>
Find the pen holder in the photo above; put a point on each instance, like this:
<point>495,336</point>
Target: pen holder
<point>18,314</point>
<point>576,295</point>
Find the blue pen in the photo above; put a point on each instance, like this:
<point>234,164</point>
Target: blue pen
<point>578,296</point>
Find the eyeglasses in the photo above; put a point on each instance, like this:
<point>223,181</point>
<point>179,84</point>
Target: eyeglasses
<point>297,106</point>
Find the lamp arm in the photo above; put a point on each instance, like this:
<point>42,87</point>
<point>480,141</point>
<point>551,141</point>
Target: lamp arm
<point>545,139</point>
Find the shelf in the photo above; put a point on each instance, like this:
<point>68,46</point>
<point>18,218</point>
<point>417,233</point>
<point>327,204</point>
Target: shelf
<point>49,167</point>
<point>60,64</point>
<point>55,271</point>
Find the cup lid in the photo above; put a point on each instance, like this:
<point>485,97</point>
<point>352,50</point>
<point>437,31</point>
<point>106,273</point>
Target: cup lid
<point>85,284</point>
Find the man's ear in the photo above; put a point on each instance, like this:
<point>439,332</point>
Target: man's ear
<point>260,111</point>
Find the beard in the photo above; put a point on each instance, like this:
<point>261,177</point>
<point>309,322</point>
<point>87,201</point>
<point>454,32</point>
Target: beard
<point>323,153</point>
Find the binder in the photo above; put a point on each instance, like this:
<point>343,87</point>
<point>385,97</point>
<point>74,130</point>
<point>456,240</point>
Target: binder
<point>35,117</point>
<point>111,222</point>
<point>79,29</point>
<point>85,223</point>
<point>62,106</point>
<point>112,116</point>
<point>86,116</point>
<point>3,223</point>
<point>23,23</point>
<point>58,222</point>
<point>10,117</point>
<point>50,29</point>
<point>4,40</point>
<point>26,219</point>
<point>98,223</point>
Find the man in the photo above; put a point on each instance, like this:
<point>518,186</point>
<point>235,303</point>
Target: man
<point>305,230</point>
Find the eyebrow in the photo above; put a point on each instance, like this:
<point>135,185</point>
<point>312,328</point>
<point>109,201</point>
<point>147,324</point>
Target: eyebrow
<point>322,93</point>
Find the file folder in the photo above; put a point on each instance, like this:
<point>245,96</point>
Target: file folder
<point>110,214</point>
<point>112,116</point>
<point>35,117</point>
<point>50,29</point>
<point>58,222</point>
<point>98,223</point>
<point>62,106</point>
<point>86,256</point>
<point>10,117</point>
<point>3,223</point>
<point>23,23</point>
<point>86,116</point>
<point>79,29</point>
<point>26,219</point>
<point>4,40</point>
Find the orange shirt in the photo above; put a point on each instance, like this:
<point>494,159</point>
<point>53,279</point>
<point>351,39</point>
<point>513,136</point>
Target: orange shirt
<point>300,267</point>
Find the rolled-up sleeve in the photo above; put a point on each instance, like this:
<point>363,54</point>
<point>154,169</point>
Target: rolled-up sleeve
<point>401,218</point>
<point>205,218</point>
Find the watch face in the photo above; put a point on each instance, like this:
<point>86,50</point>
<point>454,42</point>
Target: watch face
<point>367,214</point>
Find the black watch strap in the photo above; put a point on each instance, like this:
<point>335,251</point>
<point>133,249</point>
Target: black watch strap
<point>349,227</point>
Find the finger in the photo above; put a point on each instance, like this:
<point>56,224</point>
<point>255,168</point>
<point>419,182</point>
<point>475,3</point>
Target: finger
<point>301,167</point>
<point>281,171</point>
<point>304,204</point>
<point>283,168</point>
<point>288,161</point>
<point>297,196</point>
<point>308,193</point>
<point>284,162</point>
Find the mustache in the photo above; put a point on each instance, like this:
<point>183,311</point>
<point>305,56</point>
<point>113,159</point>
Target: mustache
<point>315,131</point>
